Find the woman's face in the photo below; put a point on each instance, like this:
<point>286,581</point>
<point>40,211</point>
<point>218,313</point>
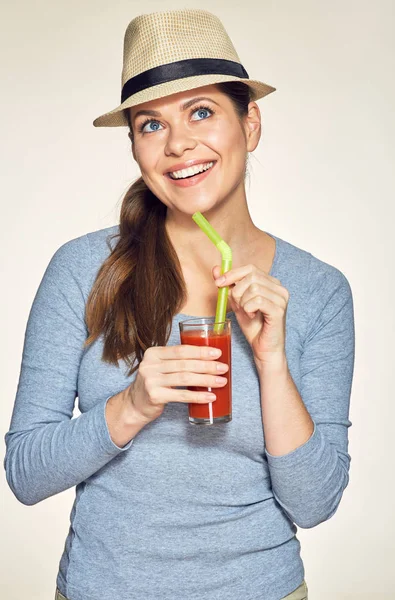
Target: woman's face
<point>180,128</point>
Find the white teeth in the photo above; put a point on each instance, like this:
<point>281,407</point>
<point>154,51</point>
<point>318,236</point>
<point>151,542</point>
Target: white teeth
<point>191,171</point>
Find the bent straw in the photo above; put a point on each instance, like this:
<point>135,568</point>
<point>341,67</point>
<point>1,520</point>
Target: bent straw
<point>226,265</point>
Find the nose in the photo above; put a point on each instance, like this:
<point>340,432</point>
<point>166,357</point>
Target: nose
<point>179,140</point>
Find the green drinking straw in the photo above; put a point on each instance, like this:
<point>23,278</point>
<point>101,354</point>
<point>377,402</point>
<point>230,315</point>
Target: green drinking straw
<point>226,265</point>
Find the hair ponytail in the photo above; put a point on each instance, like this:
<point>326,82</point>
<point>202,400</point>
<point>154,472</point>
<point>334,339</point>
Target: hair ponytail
<point>140,286</point>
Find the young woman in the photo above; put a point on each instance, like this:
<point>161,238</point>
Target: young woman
<point>164,509</point>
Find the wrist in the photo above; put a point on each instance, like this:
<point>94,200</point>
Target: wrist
<point>276,364</point>
<point>131,414</point>
<point>122,421</point>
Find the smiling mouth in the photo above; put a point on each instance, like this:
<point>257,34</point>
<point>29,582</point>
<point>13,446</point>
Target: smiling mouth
<point>187,177</point>
<point>190,176</point>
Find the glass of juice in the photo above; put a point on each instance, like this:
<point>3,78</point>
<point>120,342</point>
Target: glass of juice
<point>201,332</point>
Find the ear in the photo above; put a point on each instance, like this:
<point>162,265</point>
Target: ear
<point>253,126</point>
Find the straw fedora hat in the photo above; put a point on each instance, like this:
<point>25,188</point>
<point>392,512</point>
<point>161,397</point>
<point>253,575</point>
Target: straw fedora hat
<point>174,51</point>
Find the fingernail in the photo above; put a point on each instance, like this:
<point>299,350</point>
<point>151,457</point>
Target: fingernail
<point>215,352</point>
<point>221,280</point>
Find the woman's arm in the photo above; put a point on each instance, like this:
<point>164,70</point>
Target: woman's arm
<point>48,451</point>
<point>309,467</point>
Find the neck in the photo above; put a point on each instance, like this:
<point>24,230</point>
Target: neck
<point>193,247</point>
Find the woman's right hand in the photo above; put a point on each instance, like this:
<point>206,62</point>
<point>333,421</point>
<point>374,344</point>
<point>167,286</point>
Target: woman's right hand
<point>165,367</point>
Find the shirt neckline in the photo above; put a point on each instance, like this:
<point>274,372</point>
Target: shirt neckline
<point>271,272</point>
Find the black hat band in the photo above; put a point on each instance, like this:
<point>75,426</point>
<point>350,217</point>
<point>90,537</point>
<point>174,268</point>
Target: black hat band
<point>179,70</point>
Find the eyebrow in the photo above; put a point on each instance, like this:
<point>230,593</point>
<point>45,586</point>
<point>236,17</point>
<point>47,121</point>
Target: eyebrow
<point>155,113</point>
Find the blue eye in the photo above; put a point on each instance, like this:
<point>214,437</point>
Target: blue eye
<point>202,109</point>
<point>146,123</point>
<point>199,109</point>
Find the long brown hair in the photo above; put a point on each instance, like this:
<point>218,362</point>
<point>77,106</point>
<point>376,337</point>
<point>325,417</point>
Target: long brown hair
<point>140,286</point>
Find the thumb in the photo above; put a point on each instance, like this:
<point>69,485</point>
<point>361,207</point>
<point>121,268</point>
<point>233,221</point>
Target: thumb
<point>216,271</point>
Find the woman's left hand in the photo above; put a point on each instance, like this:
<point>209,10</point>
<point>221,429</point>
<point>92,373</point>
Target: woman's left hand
<point>260,303</point>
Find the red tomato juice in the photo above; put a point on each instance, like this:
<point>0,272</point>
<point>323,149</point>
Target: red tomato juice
<point>222,406</point>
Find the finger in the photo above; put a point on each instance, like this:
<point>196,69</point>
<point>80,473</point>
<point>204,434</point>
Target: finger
<point>274,279</point>
<point>262,284</point>
<point>235,275</point>
<point>165,395</point>
<point>238,291</point>
<point>194,366</point>
<point>189,379</point>
<point>264,305</point>
<point>257,289</point>
<point>216,270</point>
<point>180,352</point>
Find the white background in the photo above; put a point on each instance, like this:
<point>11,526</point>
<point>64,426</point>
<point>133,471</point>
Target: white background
<point>322,178</point>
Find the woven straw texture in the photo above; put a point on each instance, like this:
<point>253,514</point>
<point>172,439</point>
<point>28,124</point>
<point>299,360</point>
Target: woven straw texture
<point>160,38</point>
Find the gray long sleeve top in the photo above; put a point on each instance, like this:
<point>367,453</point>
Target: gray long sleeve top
<point>181,512</point>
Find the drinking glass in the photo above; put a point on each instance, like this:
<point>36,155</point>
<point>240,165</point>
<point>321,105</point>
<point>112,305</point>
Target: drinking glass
<point>201,332</point>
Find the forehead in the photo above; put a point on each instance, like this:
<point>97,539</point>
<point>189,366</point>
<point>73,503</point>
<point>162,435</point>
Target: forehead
<point>175,101</point>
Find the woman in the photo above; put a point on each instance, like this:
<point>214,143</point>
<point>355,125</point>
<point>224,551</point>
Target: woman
<point>163,509</point>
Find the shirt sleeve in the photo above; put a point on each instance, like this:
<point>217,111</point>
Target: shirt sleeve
<point>47,451</point>
<point>309,482</point>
